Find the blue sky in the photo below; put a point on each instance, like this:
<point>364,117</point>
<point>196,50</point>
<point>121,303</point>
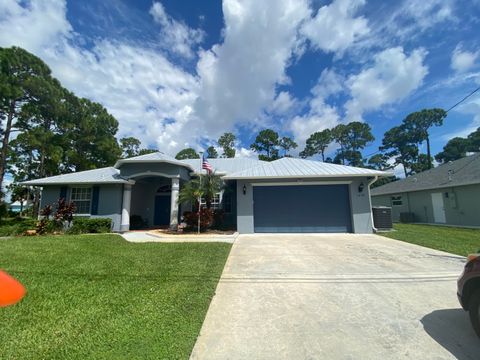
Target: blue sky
<point>180,73</point>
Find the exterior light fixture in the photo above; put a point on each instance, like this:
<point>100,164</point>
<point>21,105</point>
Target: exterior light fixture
<point>244,189</point>
<point>361,187</point>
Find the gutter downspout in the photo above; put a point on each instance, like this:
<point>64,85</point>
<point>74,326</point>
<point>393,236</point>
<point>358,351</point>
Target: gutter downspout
<point>375,178</point>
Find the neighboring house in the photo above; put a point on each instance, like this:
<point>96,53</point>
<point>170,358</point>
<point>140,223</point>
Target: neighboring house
<point>16,206</point>
<point>447,194</point>
<point>286,195</point>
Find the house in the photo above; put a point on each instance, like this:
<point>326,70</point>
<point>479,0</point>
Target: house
<point>286,195</point>
<point>448,194</point>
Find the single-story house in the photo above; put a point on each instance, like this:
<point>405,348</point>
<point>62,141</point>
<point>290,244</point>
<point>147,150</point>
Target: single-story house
<point>286,195</point>
<point>448,194</point>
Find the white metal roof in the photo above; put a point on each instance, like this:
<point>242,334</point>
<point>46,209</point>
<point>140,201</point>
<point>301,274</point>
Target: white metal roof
<point>301,168</point>
<point>224,165</point>
<point>151,158</point>
<point>107,175</point>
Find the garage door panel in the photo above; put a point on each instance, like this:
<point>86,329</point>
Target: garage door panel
<point>302,208</point>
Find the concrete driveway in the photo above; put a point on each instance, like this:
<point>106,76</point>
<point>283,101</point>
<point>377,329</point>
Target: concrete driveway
<point>336,297</point>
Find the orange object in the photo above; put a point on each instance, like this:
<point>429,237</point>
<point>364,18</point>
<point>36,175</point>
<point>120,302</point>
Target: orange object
<point>11,291</point>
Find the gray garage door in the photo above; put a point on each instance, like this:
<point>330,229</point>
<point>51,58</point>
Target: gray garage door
<point>301,208</point>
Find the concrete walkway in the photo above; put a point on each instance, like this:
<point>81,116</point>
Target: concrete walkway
<point>150,236</point>
<point>336,297</point>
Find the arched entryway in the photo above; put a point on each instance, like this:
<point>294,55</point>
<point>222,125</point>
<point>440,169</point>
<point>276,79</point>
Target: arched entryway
<point>154,201</point>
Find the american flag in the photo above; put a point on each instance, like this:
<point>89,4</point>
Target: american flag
<point>206,165</point>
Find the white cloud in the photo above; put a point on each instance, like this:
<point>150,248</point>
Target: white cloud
<point>335,27</point>
<point>391,78</point>
<point>472,107</point>
<point>329,83</point>
<point>323,117</point>
<point>176,36</point>
<point>33,25</point>
<point>463,61</point>
<point>151,97</point>
<point>283,104</point>
<point>239,76</point>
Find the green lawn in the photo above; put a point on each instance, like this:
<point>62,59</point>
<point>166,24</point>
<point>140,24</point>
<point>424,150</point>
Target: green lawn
<point>100,297</point>
<point>458,241</point>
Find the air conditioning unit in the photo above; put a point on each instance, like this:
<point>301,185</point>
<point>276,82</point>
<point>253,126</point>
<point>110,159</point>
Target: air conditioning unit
<point>382,217</point>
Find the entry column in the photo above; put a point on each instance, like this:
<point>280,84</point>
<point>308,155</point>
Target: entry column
<point>127,197</point>
<point>174,204</point>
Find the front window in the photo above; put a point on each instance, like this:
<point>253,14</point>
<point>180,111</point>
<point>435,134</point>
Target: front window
<point>216,201</point>
<point>397,201</point>
<point>82,197</point>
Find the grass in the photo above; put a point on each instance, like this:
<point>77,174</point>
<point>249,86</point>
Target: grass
<point>454,240</point>
<point>100,297</point>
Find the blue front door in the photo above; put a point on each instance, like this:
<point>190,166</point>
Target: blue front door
<point>162,210</point>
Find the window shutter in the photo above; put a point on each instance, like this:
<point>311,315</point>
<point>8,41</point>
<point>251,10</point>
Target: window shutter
<point>63,192</point>
<point>95,192</point>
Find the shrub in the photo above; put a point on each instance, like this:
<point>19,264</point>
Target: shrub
<point>137,222</point>
<point>90,226</point>
<point>17,227</point>
<point>206,219</point>
<point>218,216</point>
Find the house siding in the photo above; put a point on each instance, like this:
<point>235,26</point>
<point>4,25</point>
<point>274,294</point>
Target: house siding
<point>462,206</point>
<point>109,200</point>
<point>359,204</point>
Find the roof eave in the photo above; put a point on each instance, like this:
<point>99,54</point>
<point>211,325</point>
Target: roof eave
<point>233,177</point>
<point>42,183</point>
<point>428,188</point>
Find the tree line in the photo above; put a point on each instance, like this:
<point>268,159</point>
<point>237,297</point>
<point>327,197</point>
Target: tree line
<point>46,129</point>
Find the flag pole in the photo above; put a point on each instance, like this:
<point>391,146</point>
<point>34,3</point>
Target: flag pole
<point>200,192</point>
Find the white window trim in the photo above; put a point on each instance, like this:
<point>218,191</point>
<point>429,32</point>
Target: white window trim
<point>396,196</point>
<point>91,196</point>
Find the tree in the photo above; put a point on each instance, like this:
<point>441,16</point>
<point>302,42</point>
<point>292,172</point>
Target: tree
<point>191,193</point>
<point>379,162</point>
<point>147,151</point>
<point>422,164</point>
<point>286,144</point>
<point>474,141</point>
<point>212,153</point>
<point>90,131</point>
<point>455,149</point>
<point>397,143</point>
<point>212,184</point>
<point>130,146</point>
<point>267,141</point>
<point>19,193</point>
<point>187,153</point>
<point>227,142</point>
<point>20,71</point>
<point>317,143</point>
<point>418,123</point>
<point>352,138</point>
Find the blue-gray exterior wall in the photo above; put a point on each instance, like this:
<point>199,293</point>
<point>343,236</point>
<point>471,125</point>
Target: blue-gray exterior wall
<point>109,200</point>
<point>359,203</point>
<point>462,206</point>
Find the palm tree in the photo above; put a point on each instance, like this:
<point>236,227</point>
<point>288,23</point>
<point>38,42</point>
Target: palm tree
<point>190,193</point>
<point>212,184</point>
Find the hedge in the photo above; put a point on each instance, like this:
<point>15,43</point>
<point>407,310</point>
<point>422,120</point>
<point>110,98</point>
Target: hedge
<point>17,227</point>
<point>90,226</point>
